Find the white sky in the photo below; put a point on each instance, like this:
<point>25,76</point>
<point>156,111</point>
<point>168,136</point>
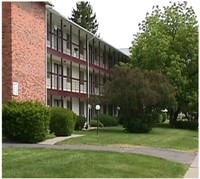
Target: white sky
<point>118,20</point>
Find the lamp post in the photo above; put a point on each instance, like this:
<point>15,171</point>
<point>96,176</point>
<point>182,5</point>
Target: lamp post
<point>118,108</point>
<point>89,115</point>
<point>97,107</point>
<point>88,74</point>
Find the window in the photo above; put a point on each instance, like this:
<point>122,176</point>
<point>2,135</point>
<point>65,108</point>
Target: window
<point>96,54</point>
<point>81,108</point>
<point>96,81</point>
<point>68,74</point>
<point>68,41</point>
<point>48,102</point>
<point>48,68</point>
<point>48,32</point>
<point>59,33</point>
<point>69,105</point>
<point>81,77</point>
<point>104,57</point>
<point>57,77</point>
<point>57,103</point>
<point>81,47</point>
<point>104,80</point>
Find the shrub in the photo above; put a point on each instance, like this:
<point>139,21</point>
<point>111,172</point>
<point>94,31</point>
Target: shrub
<point>80,122</point>
<point>192,125</point>
<point>160,118</point>
<point>137,124</point>
<point>107,120</point>
<point>94,123</point>
<point>62,121</point>
<point>25,121</point>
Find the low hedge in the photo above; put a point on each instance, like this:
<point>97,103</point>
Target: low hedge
<point>80,122</point>
<point>107,120</point>
<point>25,121</point>
<point>192,125</point>
<point>93,123</point>
<point>62,121</point>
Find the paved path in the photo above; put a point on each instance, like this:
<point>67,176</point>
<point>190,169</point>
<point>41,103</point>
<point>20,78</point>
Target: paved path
<point>193,170</point>
<point>177,156</point>
<point>173,155</point>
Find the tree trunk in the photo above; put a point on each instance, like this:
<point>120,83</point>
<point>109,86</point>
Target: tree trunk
<point>173,116</point>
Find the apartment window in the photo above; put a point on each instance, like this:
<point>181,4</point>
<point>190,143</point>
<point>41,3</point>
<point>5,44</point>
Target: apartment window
<point>96,54</point>
<point>91,55</point>
<point>96,81</point>
<point>48,102</point>
<point>69,104</point>
<point>81,108</point>
<point>57,103</point>
<point>48,68</point>
<point>57,69</point>
<point>91,84</point>
<point>68,74</point>
<point>68,41</point>
<point>57,77</point>
<point>81,47</point>
<point>48,32</point>
<point>59,35</point>
<point>81,77</point>
<point>104,80</point>
<point>110,110</point>
<point>104,57</point>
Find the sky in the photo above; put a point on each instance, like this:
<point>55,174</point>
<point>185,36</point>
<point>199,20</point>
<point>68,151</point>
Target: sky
<point>118,20</point>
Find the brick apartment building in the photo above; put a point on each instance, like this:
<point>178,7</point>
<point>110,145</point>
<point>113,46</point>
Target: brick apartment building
<point>48,58</point>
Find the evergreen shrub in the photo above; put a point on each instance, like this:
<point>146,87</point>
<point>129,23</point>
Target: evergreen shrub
<point>94,123</point>
<point>62,121</point>
<point>107,120</point>
<point>25,121</point>
<point>80,122</point>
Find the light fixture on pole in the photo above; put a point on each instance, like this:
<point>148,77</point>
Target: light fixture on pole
<point>164,110</point>
<point>97,107</point>
<point>118,108</point>
<point>89,116</point>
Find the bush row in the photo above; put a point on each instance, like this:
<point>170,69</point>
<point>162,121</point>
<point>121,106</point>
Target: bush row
<point>107,120</point>
<point>31,121</point>
<point>94,123</point>
<point>192,125</point>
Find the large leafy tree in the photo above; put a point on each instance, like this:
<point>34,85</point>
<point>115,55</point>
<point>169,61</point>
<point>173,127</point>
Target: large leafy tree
<point>84,16</point>
<point>140,95</point>
<point>168,42</point>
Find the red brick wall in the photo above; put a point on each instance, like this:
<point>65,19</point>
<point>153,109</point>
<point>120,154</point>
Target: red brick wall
<point>6,52</point>
<point>28,44</point>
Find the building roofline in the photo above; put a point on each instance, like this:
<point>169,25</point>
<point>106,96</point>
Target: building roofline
<point>85,30</point>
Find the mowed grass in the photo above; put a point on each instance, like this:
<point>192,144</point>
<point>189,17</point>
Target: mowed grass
<point>51,163</point>
<point>159,137</point>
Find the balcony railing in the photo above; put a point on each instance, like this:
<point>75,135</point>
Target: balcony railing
<point>55,42</point>
<point>74,86</point>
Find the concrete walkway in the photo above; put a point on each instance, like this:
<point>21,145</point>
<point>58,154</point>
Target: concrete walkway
<point>193,170</point>
<point>173,155</point>
<point>58,139</point>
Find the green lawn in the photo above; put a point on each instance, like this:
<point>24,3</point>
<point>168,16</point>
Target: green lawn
<point>51,163</point>
<point>179,139</point>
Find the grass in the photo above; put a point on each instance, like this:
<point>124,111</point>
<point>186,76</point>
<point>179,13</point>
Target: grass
<point>51,163</point>
<point>178,139</point>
